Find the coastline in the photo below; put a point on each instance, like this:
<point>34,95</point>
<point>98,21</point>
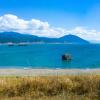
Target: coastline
<point>47,72</point>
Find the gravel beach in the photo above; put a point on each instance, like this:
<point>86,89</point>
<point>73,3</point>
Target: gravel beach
<point>46,72</point>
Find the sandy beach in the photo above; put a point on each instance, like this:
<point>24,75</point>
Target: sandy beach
<point>46,72</point>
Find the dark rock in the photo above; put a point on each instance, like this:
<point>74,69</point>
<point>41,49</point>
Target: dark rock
<point>66,57</point>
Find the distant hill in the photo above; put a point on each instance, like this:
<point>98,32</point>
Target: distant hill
<point>15,37</point>
<point>73,39</point>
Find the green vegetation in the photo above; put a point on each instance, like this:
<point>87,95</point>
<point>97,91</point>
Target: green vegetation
<point>81,87</point>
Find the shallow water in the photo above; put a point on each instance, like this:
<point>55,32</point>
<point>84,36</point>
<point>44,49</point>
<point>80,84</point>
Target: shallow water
<point>49,56</point>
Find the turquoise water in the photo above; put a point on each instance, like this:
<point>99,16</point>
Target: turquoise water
<point>49,56</point>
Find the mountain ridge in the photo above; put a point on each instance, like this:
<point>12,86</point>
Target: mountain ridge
<point>15,37</point>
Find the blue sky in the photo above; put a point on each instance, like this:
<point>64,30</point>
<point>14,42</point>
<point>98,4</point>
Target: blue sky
<point>63,13</point>
<point>66,14</point>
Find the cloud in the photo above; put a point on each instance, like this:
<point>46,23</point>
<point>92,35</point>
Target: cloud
<point>85,33</point>
<point>11,22</point>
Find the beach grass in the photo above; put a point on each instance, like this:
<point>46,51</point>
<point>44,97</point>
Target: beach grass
<point>72,87</point>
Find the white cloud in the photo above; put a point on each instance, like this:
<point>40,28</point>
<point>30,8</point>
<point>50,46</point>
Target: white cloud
<point>85,33</point>
<point>11,22</point>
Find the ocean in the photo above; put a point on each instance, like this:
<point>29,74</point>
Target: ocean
<point>49,56</point>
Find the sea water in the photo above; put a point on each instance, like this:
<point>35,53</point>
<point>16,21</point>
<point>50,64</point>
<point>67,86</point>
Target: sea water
<point>49,56</point>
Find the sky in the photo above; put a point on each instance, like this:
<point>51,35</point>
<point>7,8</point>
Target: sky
<point>52,18</point>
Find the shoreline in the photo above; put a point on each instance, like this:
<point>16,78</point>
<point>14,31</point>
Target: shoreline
<point>46,72</point>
